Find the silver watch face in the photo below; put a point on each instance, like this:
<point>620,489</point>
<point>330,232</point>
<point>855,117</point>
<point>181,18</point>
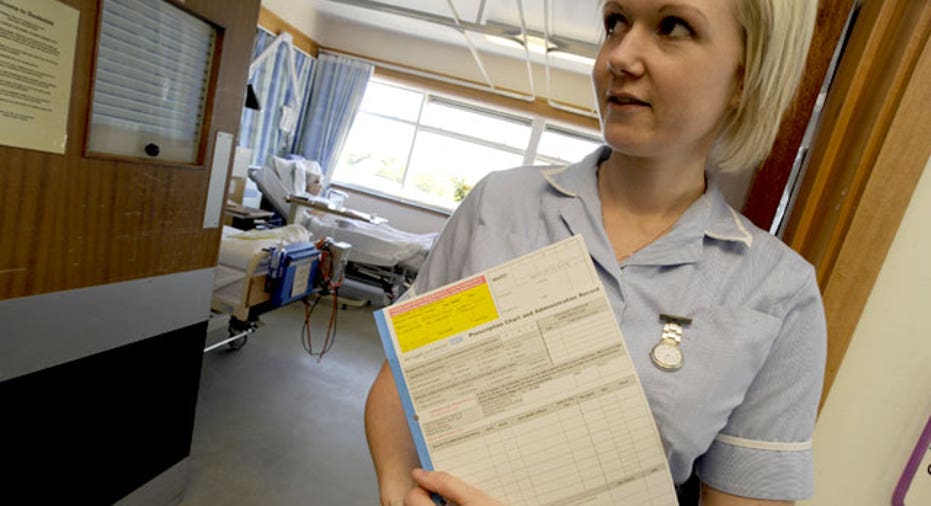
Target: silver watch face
<point>667,356</point>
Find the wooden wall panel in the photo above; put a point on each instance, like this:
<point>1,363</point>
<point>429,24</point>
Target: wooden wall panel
<point>71,221</point>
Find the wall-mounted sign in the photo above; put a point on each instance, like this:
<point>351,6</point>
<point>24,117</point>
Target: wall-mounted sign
<point>37,40</point>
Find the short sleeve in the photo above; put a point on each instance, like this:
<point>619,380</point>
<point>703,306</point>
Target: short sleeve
<point>765,449</point>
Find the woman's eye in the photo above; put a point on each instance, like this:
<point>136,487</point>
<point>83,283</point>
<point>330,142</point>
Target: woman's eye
<point>674,27</point>
<point>614,22</point>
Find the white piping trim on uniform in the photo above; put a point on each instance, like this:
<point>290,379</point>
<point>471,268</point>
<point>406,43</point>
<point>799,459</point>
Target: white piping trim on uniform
<point>747,237</point>
<point>548,175</point>
<point>764,445</point>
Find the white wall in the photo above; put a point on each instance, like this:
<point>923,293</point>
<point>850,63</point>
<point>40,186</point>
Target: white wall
<point>403,217</point>
<point>881,398</point>
<point>299,14</point>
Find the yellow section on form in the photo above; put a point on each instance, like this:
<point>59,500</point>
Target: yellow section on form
<point>446,313</point>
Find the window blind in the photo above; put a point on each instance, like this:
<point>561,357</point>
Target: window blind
<point>150,85</point>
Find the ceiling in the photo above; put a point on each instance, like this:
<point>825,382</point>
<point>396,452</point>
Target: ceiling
<point>485,31</point>
<point>572,27</point>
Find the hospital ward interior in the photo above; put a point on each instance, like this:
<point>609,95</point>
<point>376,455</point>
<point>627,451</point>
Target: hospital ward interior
<point>203,203</point>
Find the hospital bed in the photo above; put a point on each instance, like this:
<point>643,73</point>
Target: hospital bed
<point>261,270</point>
<point>381,256</point>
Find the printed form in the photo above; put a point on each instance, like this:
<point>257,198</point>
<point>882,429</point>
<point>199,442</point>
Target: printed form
<point>517,380</point>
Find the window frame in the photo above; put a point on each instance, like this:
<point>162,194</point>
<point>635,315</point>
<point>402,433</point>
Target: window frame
<point>537,124</point>
<point>562,130</point>
<point>205,130</point>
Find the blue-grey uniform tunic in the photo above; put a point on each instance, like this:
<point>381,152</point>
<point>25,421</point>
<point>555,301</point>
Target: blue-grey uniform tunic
<point>741,410</point>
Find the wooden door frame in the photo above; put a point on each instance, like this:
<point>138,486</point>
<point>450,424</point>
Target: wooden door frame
<point>866,159</point>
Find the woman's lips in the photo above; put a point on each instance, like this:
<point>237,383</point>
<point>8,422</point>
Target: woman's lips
<point>625,101</point>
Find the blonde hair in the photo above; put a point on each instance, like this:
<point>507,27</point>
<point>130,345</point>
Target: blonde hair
<point>777,34</point>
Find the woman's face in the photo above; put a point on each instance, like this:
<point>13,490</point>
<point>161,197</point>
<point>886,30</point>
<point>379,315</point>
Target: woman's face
<point>667,74</point>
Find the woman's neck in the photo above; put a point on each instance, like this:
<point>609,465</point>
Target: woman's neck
<point>649,188</point>
<point>641,200</point>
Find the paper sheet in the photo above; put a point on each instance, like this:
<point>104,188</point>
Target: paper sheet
<point>518,381</point>
<point>37,41</point>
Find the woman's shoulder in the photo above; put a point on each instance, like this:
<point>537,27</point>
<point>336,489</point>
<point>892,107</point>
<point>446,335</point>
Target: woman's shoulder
<point>771,249</point>
<point>521,186</point>
<point>517,181</point>
<point>780,274</point>
<point>750,266</point>
<point>510,192</point>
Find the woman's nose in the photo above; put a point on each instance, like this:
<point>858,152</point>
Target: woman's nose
<point>626,55</point>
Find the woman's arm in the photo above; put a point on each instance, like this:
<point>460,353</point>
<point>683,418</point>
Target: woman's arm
<point>389,439</point>
<point>714,497</point>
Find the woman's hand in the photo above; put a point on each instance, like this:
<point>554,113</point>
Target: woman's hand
<point>448,486</point>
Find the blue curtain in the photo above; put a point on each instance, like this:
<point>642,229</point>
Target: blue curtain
<point>259,129</point>
<point>339,84</point>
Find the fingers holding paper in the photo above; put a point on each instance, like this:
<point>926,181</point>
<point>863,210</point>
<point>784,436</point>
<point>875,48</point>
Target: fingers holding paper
<point>448,486</point>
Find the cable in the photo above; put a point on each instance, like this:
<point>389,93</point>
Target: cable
<point>329,340</point>
<point>305,329</point>
<point>326,269</point>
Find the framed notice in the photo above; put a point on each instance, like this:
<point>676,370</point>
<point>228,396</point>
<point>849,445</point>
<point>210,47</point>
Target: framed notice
<point>37,41</point>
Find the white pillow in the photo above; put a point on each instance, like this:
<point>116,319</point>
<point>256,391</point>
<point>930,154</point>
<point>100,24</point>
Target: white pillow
<point>292,175</point>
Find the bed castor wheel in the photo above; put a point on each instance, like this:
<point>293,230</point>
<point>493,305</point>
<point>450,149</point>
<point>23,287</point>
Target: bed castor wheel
<point>239,328</point>
<point>237,344</point>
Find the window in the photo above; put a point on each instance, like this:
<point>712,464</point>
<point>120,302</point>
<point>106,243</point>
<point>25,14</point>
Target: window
<point>430,150</point>
<point>151,81</point>
<point>560,146</point>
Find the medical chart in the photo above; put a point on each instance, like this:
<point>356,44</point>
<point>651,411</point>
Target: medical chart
<point>518,381</point>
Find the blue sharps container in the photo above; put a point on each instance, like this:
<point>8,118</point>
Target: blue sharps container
<point>297,271</point>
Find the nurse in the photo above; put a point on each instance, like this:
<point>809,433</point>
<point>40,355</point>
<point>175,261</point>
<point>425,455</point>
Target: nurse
<point>685,89</point>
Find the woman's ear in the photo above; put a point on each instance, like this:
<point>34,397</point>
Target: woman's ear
<point>738,93</point>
